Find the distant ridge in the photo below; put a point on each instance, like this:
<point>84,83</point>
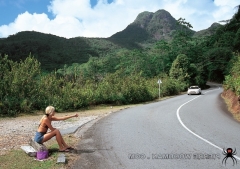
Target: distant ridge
<point>209,31</point>
<point>54,52</point>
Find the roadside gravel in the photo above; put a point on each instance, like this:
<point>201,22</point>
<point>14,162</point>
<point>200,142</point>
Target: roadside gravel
<point>15,132</point>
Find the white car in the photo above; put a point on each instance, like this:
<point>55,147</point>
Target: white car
<point>194,90</point>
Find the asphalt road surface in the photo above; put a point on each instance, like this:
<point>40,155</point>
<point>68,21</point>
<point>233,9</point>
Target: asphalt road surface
<point>178,133</point>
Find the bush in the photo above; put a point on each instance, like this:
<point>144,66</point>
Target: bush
<point>232,81</point>
<point>24,88</point>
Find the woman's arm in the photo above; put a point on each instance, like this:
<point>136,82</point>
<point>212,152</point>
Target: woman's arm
<point>54,118</point>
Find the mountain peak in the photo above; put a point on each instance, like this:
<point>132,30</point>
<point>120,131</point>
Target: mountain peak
<point>149,27</point>
<point>145,18</point>
<point>159,24</point>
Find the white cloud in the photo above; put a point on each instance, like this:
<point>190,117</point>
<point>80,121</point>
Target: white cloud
<point>77,18</point>
<point>229,3</point>
<point>73,8</point>
<point>62,25</point>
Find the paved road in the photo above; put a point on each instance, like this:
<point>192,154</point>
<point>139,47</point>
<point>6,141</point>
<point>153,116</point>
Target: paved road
<point>178,133</point>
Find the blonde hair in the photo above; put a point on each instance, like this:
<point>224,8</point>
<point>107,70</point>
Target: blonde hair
<point>48,111</point>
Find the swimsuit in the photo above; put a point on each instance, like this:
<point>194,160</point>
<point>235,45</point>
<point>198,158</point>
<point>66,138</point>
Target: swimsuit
<point>42,126</point>
<point>39,135</point>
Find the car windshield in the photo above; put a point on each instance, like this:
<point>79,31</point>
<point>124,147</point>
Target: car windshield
<point>194,87</point>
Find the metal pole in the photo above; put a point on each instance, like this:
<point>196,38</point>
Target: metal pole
<point>159,89</point>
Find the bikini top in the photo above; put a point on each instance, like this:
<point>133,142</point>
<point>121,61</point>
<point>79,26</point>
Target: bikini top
<point>43,126</point>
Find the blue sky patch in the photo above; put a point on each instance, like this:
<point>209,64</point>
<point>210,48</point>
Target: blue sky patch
<point>94,2</point>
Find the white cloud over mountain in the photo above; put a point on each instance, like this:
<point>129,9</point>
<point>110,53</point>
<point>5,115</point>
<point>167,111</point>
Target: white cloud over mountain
<point>74,18</point>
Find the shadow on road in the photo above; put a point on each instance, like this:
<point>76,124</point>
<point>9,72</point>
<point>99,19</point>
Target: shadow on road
<point>75,151</point>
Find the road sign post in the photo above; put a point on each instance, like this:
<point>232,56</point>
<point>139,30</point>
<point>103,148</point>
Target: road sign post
<point>159,83</point>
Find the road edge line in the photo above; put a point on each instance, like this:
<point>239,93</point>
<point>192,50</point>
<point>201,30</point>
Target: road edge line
<point>205,140</point>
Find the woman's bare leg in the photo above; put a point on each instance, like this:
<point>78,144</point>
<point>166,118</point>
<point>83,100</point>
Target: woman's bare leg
<point>61,143</point>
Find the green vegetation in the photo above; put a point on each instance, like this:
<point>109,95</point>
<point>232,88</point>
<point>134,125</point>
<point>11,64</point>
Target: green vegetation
<point>231,39</point>
<point>232,81</point>
<point>52,51</point>
<point>24,88</point>
<point>19,159</point>
<point>113,73</point>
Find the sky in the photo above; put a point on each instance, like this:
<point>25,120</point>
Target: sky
<point>103,18</point>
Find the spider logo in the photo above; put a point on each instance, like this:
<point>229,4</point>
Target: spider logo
<point>229,153</point>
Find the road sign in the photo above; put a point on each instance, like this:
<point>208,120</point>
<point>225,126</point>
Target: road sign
<point>159,81</point>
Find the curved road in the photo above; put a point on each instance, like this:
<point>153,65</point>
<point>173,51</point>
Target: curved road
<point>178,133</point>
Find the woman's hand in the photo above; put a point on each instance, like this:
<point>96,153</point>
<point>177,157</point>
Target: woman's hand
<point>76,115</point>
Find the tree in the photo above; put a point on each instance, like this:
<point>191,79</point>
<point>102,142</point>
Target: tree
<point>180,67</point>
<point>184,25</point>
<point>216,61</point>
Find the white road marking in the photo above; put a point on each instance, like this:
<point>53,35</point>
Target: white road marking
<point>179,119</point>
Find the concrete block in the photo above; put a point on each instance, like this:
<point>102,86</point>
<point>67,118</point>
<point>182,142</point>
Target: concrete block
<point>29,150</point>
<point>61,158</point>
<point>37,146</point>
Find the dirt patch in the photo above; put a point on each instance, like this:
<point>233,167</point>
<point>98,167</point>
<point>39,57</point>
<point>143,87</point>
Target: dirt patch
<point>15,132</point>
<point>233,103</point>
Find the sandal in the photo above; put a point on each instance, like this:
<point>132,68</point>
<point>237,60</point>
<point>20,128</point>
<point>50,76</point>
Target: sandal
<point>66,150</point>
<point>70,148</point>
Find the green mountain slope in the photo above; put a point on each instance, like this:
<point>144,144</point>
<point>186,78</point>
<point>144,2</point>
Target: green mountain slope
<point>148,28</point>
<point>209,31</point>
<point>54,52</point>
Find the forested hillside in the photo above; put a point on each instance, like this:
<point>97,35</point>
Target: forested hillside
<point>51,51</point>
<point>120,75</point>
<point>54,52</point>
<point>232,80</point>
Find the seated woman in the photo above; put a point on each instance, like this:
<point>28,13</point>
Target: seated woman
<point>45,124</point>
